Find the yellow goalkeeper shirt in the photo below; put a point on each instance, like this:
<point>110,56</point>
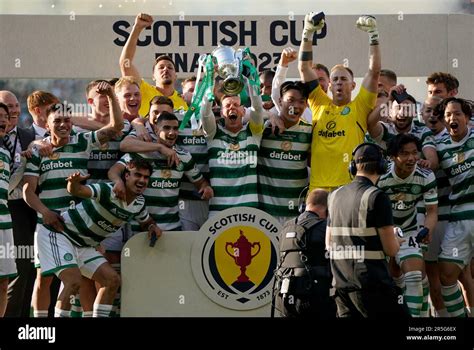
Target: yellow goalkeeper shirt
<point>337,130</point>
<point>149,91</point>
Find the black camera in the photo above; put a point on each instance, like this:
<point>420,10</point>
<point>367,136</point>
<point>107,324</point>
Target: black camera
<point>400,97</point>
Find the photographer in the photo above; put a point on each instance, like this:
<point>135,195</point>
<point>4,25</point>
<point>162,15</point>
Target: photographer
<point>304,274</point>
<point>360,234</point>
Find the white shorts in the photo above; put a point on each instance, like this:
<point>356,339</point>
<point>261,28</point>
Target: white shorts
<point>193,214</point>
<point>35,247</point>
<point>7,254</point>
<point>116,241</point>
<point>409,248</point>
<point>434,248</point>
<point>457,246</point>
<point>57,253</point>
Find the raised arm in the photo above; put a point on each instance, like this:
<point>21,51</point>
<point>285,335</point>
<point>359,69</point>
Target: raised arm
<point>208,119</point>
<point>305,59</point>
<point>127,67</point>
<point>368,24</point>
<point>288,55</point>
<point>374,126</point>
<point>115,125</point>
<point>256,108</point>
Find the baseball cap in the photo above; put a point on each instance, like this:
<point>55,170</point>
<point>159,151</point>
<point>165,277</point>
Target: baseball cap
<point>368,153</point>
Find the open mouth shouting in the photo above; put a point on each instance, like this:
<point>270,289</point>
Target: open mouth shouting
<point>233,117</point>
<point>454,126</point>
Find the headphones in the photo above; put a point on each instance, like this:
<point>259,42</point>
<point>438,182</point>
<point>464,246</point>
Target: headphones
<point>382,163</point>
<point>302,204</point>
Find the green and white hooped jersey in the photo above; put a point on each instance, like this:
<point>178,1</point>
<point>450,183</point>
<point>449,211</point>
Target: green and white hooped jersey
<point>406,193</point>
<point>282,168</point>
<point>162,193</point>
<point>233,167</point>
<point>5,161</point>
<point>103,157</point>
<point>148,128</point>
<point>103,214</point>
<point>194,142</point>
<point>444,187</point>
<point>457,160</point>
<point>53,170</point>
<point>424,134</point>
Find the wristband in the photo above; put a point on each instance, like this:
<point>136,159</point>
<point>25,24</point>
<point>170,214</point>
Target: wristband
<point>374,37</point>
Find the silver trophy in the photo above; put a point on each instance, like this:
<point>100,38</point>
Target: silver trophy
<point>228,62</point>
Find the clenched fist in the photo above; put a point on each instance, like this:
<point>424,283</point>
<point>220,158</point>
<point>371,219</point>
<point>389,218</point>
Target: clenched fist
<point>143,20</point>
<point>366,23</point>
<point>369,25</point>
<point>288,55</point>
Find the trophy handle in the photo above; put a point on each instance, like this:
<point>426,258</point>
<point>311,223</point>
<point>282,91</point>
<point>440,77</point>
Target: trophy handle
<point>258,251</point>
<point>227,251</point>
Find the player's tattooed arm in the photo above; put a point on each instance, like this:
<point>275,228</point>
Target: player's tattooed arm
<point>105,134</point>
<point>115,125</point>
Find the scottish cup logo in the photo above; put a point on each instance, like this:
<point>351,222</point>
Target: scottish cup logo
<point>234,258</point>
<point>242,253</point>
